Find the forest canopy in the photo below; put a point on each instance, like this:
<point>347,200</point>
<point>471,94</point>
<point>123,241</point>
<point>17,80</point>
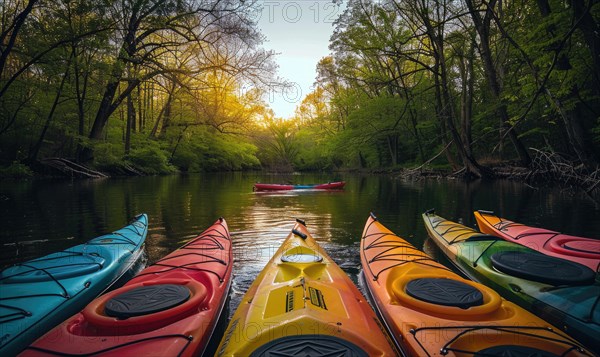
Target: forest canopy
<point>157,86</point>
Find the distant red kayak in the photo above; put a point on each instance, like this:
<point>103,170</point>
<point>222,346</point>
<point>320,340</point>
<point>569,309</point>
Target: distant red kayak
<point>170,309</point>
<point>280,187</point>
<point>580,250</point>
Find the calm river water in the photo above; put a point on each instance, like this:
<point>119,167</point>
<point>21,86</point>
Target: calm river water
<point>42,216</point>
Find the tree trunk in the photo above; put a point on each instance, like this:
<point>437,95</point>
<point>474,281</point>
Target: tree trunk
<point>166,121</point>
<point>483,27</point>
<point>104,111</point>
<point>470,164</point>
<point>36,148</point>
<point>413,119</point>
<point>392,141</point>
<point>9,37</point>
<point>439,105</point>
<point>80,96</point>
<point>571,117</point>
<point>466,98</point>
<point>107,104</point>
<point>591,34</point>
<point>165,112</point>
<point>130,123</point>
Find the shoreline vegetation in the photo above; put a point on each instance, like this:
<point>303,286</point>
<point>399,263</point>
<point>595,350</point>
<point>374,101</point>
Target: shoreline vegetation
<point>470,89</point>
<point>545,169</point>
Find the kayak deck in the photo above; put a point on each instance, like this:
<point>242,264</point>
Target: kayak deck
<point>429,309</point>
<point>170,308</point>
<point>302,301</point>
<point>554,289</point>
<point>37,295</point>
<point>581,250</point>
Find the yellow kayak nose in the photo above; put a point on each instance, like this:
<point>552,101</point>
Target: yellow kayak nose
<point>303,302</point>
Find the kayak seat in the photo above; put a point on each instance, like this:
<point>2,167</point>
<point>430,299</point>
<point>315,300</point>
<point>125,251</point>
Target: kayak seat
<point>309,345</point>
<point>446,292</point>
<point>146,300</point>
<point>542,268</point>
<point>56,266</point>
<point>453,298</point>
<point>146,306</point>
<point>513,351</point>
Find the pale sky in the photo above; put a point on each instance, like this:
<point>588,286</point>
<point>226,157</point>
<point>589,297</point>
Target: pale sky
<point>299,31</point>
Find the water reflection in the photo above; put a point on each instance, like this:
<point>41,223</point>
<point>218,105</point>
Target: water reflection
<point>43,216</point>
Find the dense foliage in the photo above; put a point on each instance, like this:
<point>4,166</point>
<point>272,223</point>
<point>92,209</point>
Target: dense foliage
<point>467,82</point>
<point>152,85</point>
<point>163,86</point>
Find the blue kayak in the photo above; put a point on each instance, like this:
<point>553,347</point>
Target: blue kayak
<point>39,294</point>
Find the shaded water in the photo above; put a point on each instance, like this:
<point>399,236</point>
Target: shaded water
<point>43,216</point>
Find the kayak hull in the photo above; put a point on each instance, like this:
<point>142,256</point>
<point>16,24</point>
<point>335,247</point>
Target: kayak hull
<point>37,295</point>
<point>282,187</point>
<point>302,301</point>
<point>581,250</point>
<point>178,299</point>
<point>570,307</point>
<point>430,310</point>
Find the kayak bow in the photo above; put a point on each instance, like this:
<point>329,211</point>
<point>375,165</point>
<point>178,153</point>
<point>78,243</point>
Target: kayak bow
<point>303,304</point>
<point>37,295</point>
<point>431,311</point>
<point>561,292</point>
<point>170,309</point>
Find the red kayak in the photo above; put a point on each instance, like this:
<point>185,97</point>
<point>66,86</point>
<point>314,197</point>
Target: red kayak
<point>281,187</point>
<point>170,309</point>
<point>581,250</point>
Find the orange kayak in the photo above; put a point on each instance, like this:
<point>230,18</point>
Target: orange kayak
<point>580,250</point>
<point>431,311</point>
<point>303,304</point>
<point>170,308</point>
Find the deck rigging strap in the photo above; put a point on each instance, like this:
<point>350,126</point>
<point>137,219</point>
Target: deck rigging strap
<point>32,268</point>
<point>217,244</point>
<point>483,252</point>
<point>187,266</point>
<point>58,353</point>
<point>18,314</point>
<point>422,258</point>
<point>207,235</point>
<point>441,221</point>
<point>65,294</point>
<point>211,232</point>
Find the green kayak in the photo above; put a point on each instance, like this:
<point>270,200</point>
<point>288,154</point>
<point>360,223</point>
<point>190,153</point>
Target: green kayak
<point>564,293</point>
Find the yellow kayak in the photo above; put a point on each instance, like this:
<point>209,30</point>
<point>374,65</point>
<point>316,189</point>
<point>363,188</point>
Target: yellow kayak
<point>301,304</point>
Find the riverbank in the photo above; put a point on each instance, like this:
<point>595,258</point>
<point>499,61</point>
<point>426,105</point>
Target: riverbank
<point>545,169</point>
